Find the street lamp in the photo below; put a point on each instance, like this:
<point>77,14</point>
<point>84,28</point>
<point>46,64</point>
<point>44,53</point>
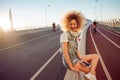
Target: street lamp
<point>46,14</point>
<point>100,9</point>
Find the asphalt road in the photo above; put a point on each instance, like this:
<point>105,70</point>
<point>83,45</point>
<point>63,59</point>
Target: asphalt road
<point>22,56</point>
<point>36,55</point>
<point>108,45</point>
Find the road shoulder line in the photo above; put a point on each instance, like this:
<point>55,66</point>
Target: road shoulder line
<point>101,60</point>
<point>42,68</point>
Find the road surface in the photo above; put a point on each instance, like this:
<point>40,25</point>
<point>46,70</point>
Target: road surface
<point>22,56</point>
<point>108,46</point>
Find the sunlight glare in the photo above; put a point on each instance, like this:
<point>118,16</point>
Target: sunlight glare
<point>4,23</point>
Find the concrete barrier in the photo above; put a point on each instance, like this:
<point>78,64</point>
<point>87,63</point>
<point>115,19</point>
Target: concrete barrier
<point>71,75</point>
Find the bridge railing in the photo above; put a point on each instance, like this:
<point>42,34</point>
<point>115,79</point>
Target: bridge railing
<point>113,24</point>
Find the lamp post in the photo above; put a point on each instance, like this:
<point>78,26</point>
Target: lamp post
<point>46,14</point>
<point>100,9</point>
<point>101,12</point>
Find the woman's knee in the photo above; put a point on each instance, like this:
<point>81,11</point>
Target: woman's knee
<point>96,56</point>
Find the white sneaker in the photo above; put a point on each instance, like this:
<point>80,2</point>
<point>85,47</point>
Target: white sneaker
<point>90,76</point>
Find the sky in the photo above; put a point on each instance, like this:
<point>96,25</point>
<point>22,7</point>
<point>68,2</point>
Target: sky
<point>42,13</point>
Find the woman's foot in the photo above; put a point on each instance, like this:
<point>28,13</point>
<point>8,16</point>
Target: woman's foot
<point>90,76</point>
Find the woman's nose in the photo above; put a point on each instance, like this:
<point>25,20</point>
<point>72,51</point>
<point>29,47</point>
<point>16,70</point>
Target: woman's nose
<point>73,26</point>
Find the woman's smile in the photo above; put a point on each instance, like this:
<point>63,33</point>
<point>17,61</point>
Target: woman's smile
<point>73,25</point>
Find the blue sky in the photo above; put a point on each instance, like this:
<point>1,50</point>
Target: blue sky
<point>37,13</point>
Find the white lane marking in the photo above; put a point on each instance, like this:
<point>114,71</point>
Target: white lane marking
<point>108,39</point>
<point>111,32</point>
<point>101,60</point>
<point>41,69</point>
<point>24,42</point>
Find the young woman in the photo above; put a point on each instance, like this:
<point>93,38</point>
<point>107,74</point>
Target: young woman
<point>73,23</point>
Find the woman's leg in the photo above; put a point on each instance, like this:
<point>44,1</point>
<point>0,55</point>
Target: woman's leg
<point>82,68</point>
<point>93,58</point>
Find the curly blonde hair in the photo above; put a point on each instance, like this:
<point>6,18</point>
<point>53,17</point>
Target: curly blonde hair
<point>73,15</point>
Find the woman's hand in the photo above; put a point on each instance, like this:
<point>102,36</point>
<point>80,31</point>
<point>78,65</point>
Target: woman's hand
<point>75,69</point>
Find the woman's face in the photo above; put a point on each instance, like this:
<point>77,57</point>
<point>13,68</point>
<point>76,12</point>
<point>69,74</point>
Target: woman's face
<point>72,25</point>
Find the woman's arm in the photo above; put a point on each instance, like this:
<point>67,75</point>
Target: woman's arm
<point>66,55</point>
<point>67,58</point>
<point>78,54</point>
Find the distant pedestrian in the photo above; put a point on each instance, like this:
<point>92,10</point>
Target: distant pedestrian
<point>94,26</point>
<point>72,25</point>
<point>54,26</point>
